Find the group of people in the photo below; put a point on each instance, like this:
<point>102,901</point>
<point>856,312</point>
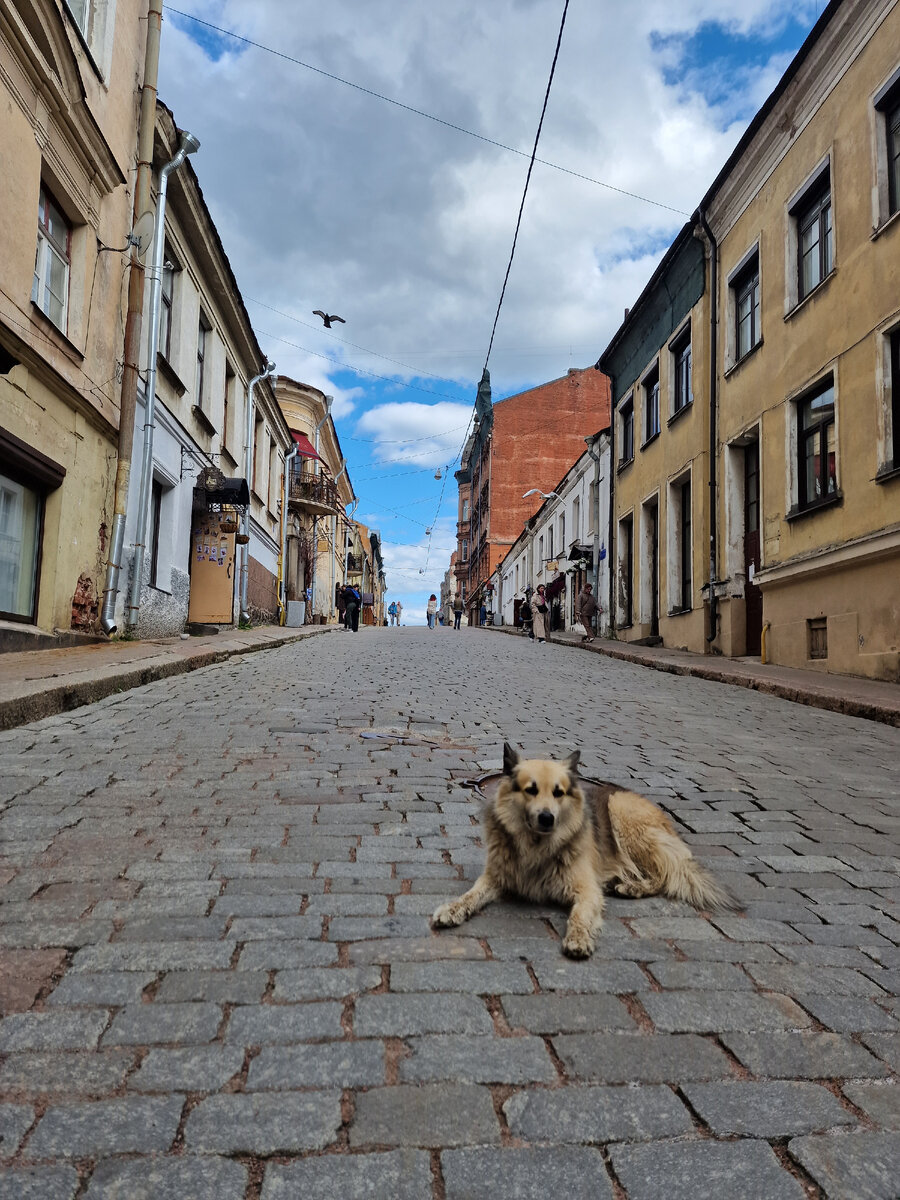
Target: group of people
<point>534,613</point>
<point>349,604</point>
<point>395,611</point>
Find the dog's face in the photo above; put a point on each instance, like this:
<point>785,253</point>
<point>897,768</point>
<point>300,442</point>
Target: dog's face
<point>540,797</point>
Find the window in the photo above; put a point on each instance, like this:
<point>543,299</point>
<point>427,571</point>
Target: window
<point>895,398</point>
<point>465,550</point>
<point>626,430</point>
<point>81,14</point>
<point>465,510</point>
<point>549,542</point>
<point>815,236</point>
<point>562,533</point>
<point>651,404</point>
<point>684,534</point>
<point>166,298</point>
<point>203,330</point>
<point>887,147</point>
<point>230,384</point>
<point>892,123</point>
<point>155,515</point>
<point>816,474</point>
<point>682,391</point>
<point>576,519</point>
<point>50,290</point>
<point>746,309</point>
<point>21,513</point>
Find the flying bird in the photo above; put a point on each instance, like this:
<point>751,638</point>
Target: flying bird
<point>328,317</point>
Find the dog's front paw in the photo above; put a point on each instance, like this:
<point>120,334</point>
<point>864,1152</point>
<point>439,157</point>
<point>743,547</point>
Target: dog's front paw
<point>578,943</point>
<point>448,915</point>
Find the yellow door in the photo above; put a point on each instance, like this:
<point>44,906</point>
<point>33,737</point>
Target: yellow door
<point>212,572</point>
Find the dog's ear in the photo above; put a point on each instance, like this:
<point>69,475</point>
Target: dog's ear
<point>571,763</point>
<point>510,759</point>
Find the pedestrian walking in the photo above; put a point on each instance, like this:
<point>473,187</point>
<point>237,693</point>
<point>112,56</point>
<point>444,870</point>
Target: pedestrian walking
<point>431,609</point>
<point>526,614</point>
<point>399,611</point>
<point>540,614</point>
<point>586,607</point>
<point>482,615</point>
<point>392,612</point>
<point>352,601</point>
<point>457,611</point>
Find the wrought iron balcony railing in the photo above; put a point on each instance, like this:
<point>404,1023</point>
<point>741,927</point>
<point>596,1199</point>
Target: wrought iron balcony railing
<point>314,491</point>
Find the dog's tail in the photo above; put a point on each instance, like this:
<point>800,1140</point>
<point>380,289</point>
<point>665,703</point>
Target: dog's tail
<point>656,860</point>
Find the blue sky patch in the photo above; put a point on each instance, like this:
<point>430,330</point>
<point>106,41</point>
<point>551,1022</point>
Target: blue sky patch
<point>214,45</point>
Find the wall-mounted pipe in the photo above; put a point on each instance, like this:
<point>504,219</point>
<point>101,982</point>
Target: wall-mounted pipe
<point>282,568</point>
<point>248,473</point>
<point>713,422</point>
<point>188,145</point>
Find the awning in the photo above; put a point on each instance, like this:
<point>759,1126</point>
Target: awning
<point>304,446</point>
<point>234,493</point>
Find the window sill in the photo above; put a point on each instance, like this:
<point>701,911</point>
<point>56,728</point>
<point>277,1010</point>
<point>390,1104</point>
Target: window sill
<point>623,463</point>
<point>885,225</point>
<point>650,440</point>
<point>820,286</point>
<point>44,321</point>
<point>227,454</point>
<point>832,501</point>
<point>156,588</point>
<point>169,373</point>
<point>679,612</point>
<point>890,471</point>
<point>203,420</point>
<point>680,413</point>
<point>739,362</point>
<point>256,496</point>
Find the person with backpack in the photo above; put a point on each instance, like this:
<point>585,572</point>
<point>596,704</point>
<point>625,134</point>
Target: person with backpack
<point>392,612</point>
<point>353,602</point>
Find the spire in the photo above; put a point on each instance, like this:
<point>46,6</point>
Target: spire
<point>483,404</point>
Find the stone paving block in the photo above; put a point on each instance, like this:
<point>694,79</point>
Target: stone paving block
<point>262,1024</point>
<point>145,1125</point>
<point>841,935</point>
<point>530,1173</point>
<point>264,1124</point>
<point>703,976</point>
<point>593,975</point>
<point>92,1073</point>
<point>24,974</point>
<point>879,1101</point>
<point>797,980</point>
<point>58,1030</point>
<point>641,1058</point>
<point>465,1059</point>
<point>849,1014</point>
<point>270,956</point>
<point>729,952</point>
<point>175,929</point>
<point>767,1110</point>
<point>858,1166</point>
<point>349,904</point>
<point>554,1013</point>
<point>475,978</point>
<point>426,949</point>
<point>154,956</point>
<point>329,1064</point>
<point>805,1055</point>
<point>745,929</point>
<point>432,1114</point>
<point>145,1024</point>
<point>414,1013</point>
<point>712,1012</point>
<point>38,1183</point>
<point>168,1179</point>
<point>219,987</point>
<point>360,929</point>
<point>704,1171</point>
<point>191,1069</point>
<point>325,983</point>
<point>398,1174</point>
<point>110,988</point>
<point>247,929</point>
<point>597,1114</point>
<point>691,929</point>
<point>15,1121</point>
<point>886,1046</point>
<point>359,872</point>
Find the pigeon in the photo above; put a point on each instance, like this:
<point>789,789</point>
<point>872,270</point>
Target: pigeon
<point>328,318</point>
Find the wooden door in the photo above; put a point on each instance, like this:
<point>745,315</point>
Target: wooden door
<point>212,572</point>
<point>752,594</point>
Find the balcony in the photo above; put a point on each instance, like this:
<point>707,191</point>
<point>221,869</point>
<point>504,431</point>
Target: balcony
<point>313,493</point>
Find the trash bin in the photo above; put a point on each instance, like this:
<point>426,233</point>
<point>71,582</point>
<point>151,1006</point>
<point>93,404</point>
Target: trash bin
<point>296,613</point>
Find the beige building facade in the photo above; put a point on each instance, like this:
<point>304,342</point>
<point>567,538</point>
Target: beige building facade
<point>69,81</point>
<point>807,217</point>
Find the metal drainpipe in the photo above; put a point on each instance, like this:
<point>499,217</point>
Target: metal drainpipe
<point>248,474</point>
<point>312,588</point>
<point>128,394</point>
<point>334,536</point>
<point>188,145</point>
<point>282,606</point>
<point>713,398</point>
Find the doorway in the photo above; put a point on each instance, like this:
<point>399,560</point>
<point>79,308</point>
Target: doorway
<point>752,594</point>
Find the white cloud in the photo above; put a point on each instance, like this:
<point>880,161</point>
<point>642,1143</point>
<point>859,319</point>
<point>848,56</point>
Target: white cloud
<point>425,435</point>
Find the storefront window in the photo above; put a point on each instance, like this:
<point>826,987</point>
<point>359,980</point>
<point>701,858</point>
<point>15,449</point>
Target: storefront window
<point>20,528</point>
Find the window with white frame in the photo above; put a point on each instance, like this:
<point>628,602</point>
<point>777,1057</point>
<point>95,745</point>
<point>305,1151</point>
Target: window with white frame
<point>95,20</point>
<point>816,447</point>
<point>166,305</point>
<point>21,519</point>
<point>651,404</point>
<point>889,432</point>
<point>812,229</point>
<point>745,298</point>
<point>576,519</point>
<point>562,533</point>
<point>204,329</point>
<point>682,386</point>
<point>680,546</point>
<point>465,510</point>
<point>887,143</point>
<point>228,405</point>
<point>626,431</point>
<point>50,290</point>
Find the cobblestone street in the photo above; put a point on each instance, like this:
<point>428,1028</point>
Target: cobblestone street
<point>218,979</point>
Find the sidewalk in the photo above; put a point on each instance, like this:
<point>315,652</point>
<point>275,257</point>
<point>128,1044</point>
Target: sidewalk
<point>40,683</point>
<point>871,699</point>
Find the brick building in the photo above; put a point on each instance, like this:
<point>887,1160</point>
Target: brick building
<point>527,441</point>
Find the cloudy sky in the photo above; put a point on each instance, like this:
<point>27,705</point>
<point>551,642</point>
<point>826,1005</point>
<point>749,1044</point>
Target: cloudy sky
<point>329,192</point>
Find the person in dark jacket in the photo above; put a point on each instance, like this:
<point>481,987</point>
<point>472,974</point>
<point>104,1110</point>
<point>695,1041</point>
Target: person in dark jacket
<point>586,608</point>
<point>353,602</point>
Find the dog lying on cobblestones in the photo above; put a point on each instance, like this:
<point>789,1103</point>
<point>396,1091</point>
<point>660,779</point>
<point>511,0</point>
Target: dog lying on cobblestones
<point>555,837</point>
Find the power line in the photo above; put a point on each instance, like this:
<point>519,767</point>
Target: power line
<point>418,111</point>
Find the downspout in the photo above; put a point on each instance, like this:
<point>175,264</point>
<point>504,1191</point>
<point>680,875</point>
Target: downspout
<point>188,145</point>
<point>132,352</point>
<point>282,564</point>
<point>713,431</point>
<point>315,561</point>
<point>248,475</point>
<point>595,455</point>
<point>334,537</point>
<point>612,549</point>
